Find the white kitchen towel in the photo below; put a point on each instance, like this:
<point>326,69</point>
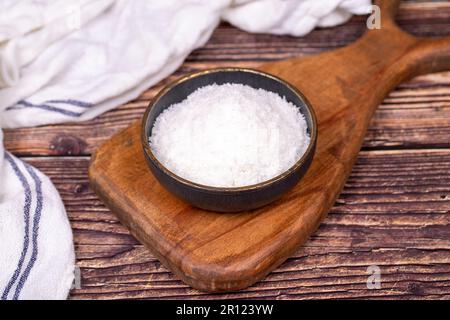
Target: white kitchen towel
<point>36,250</point>
<point>66,61</point>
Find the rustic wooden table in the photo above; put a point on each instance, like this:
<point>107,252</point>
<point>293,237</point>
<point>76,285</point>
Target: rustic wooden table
<point>392,213</point>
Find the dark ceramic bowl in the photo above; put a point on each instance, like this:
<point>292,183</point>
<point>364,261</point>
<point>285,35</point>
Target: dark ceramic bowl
<point>218,198</point>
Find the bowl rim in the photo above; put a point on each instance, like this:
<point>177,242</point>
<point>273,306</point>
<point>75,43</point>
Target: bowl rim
<point>299,163</point>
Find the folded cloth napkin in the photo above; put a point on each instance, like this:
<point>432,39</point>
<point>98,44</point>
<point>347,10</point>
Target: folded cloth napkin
<point>66,61</point>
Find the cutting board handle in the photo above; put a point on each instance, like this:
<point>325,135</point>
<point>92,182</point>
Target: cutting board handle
<point>424,55</point>
<point>389,9</point>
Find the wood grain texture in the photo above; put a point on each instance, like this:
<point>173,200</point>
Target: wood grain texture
<point>401,222</point>
<point>225,252</point>
<point>393,212</point>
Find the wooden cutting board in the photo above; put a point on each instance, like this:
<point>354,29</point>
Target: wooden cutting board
<point>223,252</point>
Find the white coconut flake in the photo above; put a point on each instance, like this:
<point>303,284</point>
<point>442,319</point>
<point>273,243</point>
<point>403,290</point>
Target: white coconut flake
<point>230,135</point>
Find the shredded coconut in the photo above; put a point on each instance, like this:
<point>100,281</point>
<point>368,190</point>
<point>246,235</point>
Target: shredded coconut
<point>230,135</point>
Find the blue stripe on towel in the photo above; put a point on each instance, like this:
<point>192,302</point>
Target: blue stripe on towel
<point>72,102</point>
<point>46,107</point>
<point>26,214</point>
<point>36,220</point>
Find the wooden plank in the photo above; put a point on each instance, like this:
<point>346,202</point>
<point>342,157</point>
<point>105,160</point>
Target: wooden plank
<point>416,115</point>
<point>393,212</point>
